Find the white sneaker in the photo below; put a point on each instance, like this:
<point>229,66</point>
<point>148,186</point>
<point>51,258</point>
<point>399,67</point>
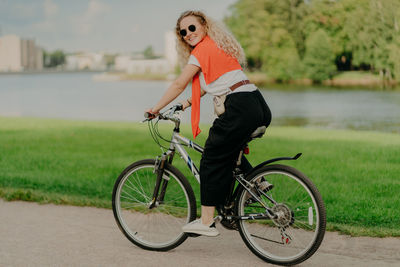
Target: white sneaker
<point>196,227</point>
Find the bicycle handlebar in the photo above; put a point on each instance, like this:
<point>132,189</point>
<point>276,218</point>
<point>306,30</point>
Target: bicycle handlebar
<point>166,115</point>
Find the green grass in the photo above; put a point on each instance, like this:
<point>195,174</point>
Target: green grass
<point>77,162</point>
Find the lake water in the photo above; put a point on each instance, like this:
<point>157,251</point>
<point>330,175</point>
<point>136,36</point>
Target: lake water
<point>79,96</point>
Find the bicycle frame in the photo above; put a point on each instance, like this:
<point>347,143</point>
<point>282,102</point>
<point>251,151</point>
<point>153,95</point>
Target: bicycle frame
<point>177,143</point>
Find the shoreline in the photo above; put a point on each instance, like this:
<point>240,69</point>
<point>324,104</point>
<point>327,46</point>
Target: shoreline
<point>369,82</point>
<point>349,79</point>
<point>48,71</point>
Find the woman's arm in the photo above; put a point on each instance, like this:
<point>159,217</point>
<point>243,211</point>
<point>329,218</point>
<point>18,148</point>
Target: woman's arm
<point>177,87</point>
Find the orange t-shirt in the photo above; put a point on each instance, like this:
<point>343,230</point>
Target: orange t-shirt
<point>214,62</point>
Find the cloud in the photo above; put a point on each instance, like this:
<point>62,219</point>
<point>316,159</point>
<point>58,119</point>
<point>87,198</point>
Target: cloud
<point>89,19</point>
<point>19,13</point>
<point>135,28</point>
<point>44,26</point>
<point>96,8</point>
<point>24,10</point>
<point>50,21</point>
<point>97,24</point>
<point>50,8</point>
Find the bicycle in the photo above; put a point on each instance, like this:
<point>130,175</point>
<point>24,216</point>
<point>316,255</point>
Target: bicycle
<point>152,200</point>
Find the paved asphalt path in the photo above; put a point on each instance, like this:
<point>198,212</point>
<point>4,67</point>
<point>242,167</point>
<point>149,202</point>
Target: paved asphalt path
<point>48,235</point>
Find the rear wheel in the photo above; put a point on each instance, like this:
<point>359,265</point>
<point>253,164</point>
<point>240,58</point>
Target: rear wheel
<point>297,231</point>
<point>158,227</point>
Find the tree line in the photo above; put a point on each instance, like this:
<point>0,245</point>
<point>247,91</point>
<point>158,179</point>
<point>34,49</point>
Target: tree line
<point>56,58</point>
<point>53,59</point>
<point>316,39</point>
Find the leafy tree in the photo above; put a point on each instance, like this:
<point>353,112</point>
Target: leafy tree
<point>281,60</point>
<point>110,59</point>
<point>254,23</point>
<point>319,59</point>
<point>148,52</point>
<point>366,29</point>
<point>289,15</point>
<point>53,59</point>
<point>360,34</point>
<point>251,24</point>
<point>394,58</point>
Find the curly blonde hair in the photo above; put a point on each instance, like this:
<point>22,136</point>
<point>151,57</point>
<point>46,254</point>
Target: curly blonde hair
<point>217,31</point>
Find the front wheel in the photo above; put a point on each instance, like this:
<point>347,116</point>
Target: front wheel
<point>153,226</point>
<point>299,226</point>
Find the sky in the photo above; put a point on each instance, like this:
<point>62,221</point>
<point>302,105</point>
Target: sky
<point>100,25</point>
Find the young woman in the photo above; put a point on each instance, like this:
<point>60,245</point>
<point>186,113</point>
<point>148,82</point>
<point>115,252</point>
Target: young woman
<point>214,61</point>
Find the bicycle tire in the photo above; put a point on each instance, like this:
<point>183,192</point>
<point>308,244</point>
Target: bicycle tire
<point>159,228</point>
<point>306,220</point>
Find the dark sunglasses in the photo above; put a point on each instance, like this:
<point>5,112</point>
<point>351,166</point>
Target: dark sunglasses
<point>191,28</point>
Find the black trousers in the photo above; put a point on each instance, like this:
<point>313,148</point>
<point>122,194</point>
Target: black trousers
<point>244,112</point>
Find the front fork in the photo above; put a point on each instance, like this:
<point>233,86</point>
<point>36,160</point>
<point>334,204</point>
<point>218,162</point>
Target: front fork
<point>162,180</point>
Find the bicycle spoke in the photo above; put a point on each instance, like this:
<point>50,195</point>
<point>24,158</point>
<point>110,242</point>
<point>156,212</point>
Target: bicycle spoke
<point>296,224</point>
<point>137,179</point>
<point>158,227</point>
<point>140,193</point>
<point>132,197</point>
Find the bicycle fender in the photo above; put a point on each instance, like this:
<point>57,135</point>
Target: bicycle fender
<point>273,160</point>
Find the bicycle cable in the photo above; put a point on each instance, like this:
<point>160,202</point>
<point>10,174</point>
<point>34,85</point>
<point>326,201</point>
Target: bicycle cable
<point>156,135</point>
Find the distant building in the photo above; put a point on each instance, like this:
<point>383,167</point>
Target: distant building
<point>31,55</point>
<point>141,66</point>
<point>18,54</point>
<point>122,62</point>
<point>170,49</point>
<point>155,66</point>
<point>85,61</point>
<point>135,64</point>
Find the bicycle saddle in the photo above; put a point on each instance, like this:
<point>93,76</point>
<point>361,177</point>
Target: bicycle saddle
<point>259,132</point>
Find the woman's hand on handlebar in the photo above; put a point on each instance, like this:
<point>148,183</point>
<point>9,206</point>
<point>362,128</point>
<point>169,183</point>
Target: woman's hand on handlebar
<point>150,114</point>
<point>185,104</point>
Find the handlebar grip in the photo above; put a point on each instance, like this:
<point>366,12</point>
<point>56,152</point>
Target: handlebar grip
<point>149,115</point>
